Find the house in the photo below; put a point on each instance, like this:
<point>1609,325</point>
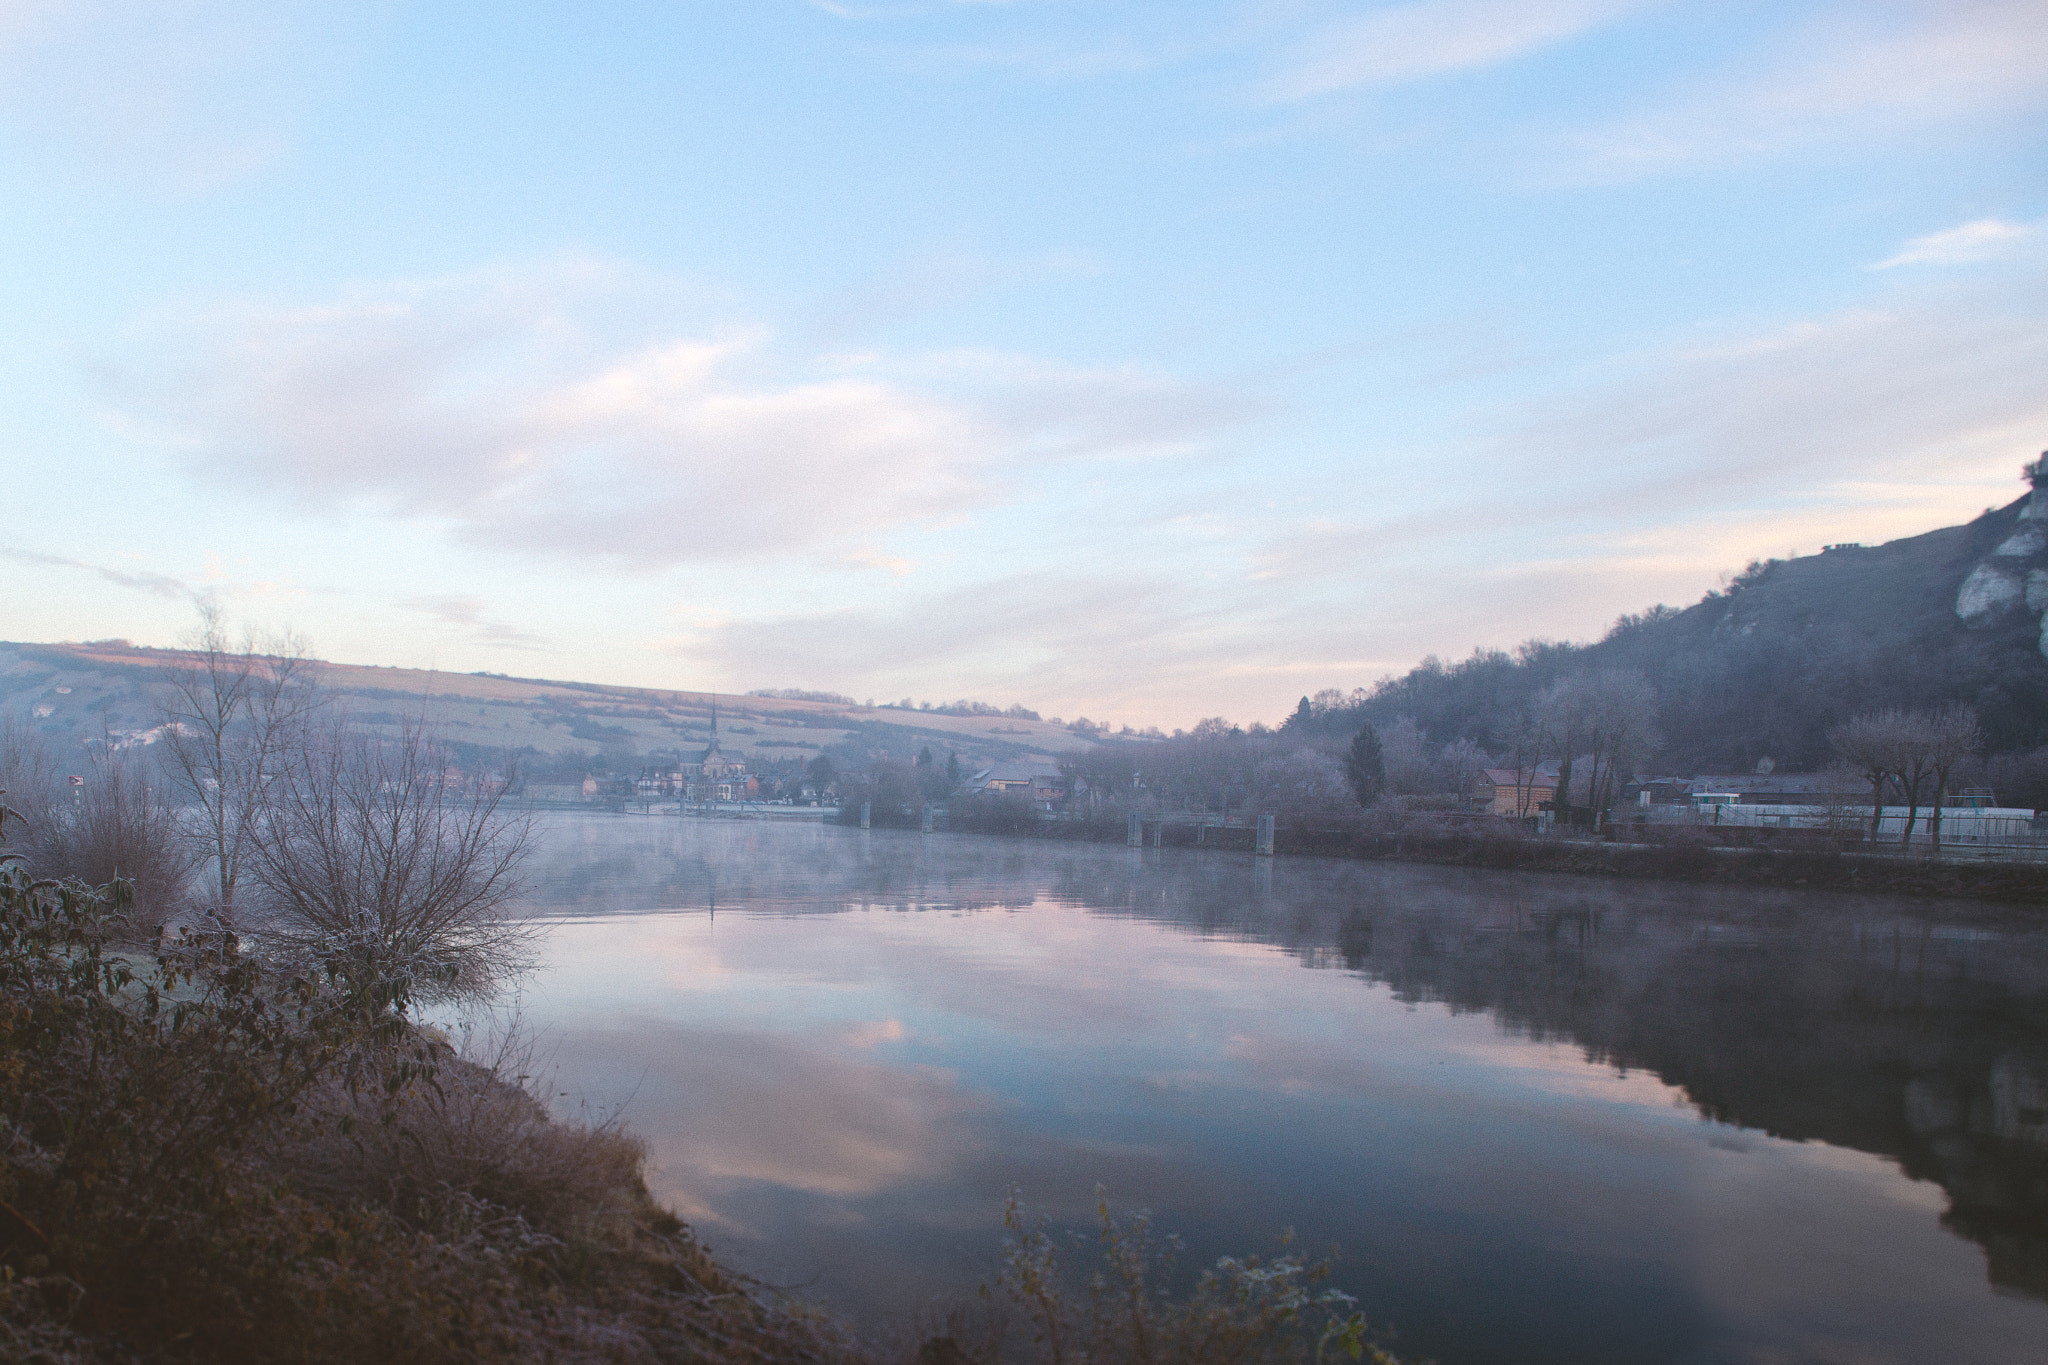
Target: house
<point>1514,794</point>
<point>1044,783</point>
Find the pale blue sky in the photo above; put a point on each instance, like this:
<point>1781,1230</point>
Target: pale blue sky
<point>1144,361</point>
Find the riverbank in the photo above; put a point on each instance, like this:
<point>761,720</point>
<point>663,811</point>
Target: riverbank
<point>1791,863</point>
<point>211,1157</point>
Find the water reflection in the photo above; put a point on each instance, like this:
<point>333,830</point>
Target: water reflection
<point>1547,1118</point>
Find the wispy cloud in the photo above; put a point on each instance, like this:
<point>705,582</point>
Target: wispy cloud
<point>470,614</point>
<point>1120,640</point>
<point>169,97</point>
<point>1982,240</point>
<point>1745,429</point>
<point>160,585</point>
<point>1851,77</point>
<point>507,409</point>
<point>1396,44</point>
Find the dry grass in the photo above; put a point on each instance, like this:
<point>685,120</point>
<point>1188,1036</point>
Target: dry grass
<point>199,1163</point>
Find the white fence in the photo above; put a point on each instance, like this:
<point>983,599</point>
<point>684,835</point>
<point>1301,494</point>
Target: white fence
<point>1961,826</point>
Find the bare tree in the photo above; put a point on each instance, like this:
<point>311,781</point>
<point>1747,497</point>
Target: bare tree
<point>1460,762</point>
<point>232,712</point>
<point>1953,737</point>
<point>1405,757</point>
<point>1837,796</point>
<point>28,775</point>
<point>1527,753</point>
<point>1300,784</point>
<point>1870,744</point>
<point>1561,715</point>
<point>1622,709</point>
<point>380,859</point>
<point>121,824</point>
<point>1913,754</point>
<point>1607,716</point>
<point>114,820</point>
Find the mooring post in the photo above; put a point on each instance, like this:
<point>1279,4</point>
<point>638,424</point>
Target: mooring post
<point>1265,834</point>
<point>865,808</point>
<point>1137,830</point>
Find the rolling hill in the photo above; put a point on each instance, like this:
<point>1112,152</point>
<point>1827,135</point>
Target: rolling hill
<point>75,692</point>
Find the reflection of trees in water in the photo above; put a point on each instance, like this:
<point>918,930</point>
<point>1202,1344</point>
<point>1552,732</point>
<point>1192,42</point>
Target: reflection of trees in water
<point>1866,1024</point>
<point>1917,1034</point>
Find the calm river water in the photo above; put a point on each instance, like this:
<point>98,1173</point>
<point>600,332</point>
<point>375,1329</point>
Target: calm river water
<point>1543,1118</point>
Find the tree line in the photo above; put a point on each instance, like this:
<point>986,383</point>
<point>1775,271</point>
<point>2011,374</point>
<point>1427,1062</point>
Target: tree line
<point>1766,667</point>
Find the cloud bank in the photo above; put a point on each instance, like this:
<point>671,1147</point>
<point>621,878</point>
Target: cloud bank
<point>516,412</point>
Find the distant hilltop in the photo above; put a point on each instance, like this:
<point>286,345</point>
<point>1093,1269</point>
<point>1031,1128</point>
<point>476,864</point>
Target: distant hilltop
<point>1764,668</point>
<point>85,691</point>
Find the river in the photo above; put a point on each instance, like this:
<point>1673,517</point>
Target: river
<point>1542,1118</point>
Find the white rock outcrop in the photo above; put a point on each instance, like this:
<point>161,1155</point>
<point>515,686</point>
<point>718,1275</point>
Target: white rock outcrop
<point>1989,592</point>
<point>2004,581</point>
<point>2024,543</point>
<point>2037,590</point>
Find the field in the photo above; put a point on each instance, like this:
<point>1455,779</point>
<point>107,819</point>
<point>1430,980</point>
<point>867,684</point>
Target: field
<point>103,689</point>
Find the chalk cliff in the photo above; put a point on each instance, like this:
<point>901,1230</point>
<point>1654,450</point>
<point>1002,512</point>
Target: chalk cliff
<point>2013,578</point>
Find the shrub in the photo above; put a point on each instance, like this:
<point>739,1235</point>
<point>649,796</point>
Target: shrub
<point>200,1160</point>
<point>1241,1311</point>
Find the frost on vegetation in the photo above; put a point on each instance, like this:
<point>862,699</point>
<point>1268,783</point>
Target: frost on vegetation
<point>205,1156</point>
<point>1240,1311</point>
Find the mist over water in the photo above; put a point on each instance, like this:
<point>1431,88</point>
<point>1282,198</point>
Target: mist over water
<point>1543,1118</point>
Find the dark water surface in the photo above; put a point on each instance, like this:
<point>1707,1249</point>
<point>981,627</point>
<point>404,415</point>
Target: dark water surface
<point>1545,1118</point>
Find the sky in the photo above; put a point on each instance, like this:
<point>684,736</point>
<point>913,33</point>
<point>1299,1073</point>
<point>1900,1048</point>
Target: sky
<point>1138,361</point>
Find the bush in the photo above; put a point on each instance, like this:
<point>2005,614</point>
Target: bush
<point>202,1161</point>
<point>115,824</point>
<point>1241,1311</point>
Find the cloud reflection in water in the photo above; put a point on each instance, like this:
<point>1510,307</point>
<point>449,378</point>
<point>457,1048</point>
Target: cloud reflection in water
<point>1492,1100</point>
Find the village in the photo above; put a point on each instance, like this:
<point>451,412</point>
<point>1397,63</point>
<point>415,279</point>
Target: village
<point>715,781</point>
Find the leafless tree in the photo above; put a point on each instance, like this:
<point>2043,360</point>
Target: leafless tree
<point>1871,744</point>
<point>116,821</point>
<point>1913,754</point>
<point>1606,716</point>
<point>1839,785</point>
<point>1300,784</point>
<point>1561,717</point>
<point>380,859</point>
<point>1623,709</point>
<point>231,712</point>
<point>1527,753</point>
<point>1405,756</point>
<point>1460,763</point>
<point>1953,737</point>
<point>28,775</point>
<point>121,824</point>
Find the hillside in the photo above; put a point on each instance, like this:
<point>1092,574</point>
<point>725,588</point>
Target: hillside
<point>74,692</point>
<point>1764,668</point>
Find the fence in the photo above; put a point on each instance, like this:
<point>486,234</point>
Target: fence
<point>1963,828</point>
